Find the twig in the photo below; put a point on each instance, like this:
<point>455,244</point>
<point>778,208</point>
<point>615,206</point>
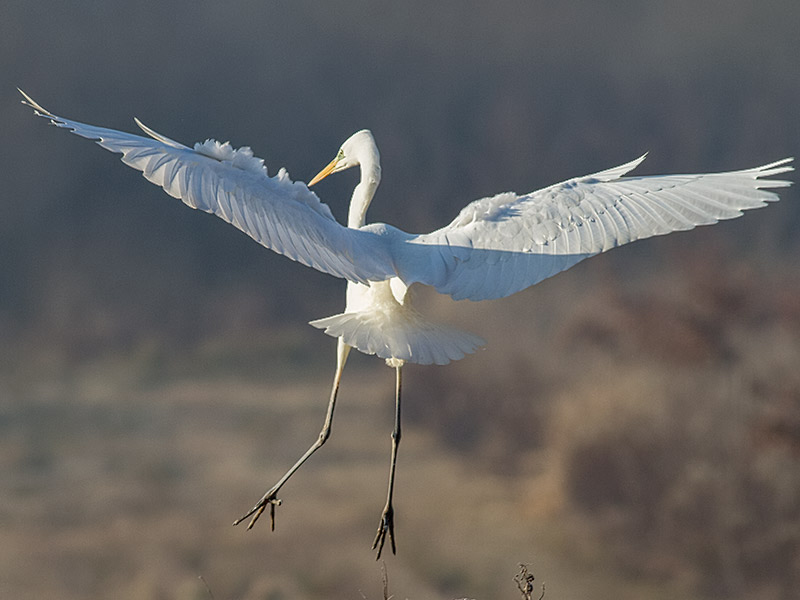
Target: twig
<point>385,577</point>
<point>524,580</point>
<point>208,588</point>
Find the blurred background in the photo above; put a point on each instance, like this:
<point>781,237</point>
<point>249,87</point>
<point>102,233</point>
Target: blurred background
<point>632,429</point>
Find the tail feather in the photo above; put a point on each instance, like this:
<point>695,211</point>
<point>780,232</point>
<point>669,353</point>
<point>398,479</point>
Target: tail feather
<point>403,335</point>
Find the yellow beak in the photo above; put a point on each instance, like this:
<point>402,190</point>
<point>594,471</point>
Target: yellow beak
<point>325,172</point>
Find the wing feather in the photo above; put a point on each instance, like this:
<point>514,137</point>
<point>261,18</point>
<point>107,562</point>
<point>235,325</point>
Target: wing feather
<point>500,245</point>
<point>495,246</point>
<point>280,214</point>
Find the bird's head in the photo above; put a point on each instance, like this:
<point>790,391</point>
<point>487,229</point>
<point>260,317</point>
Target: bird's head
<point>358,149</point>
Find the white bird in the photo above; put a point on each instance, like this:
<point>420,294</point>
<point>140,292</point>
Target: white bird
<point>495,246</point>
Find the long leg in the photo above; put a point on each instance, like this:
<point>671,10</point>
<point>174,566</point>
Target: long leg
<point>386,525</point>
<point>271,497</point>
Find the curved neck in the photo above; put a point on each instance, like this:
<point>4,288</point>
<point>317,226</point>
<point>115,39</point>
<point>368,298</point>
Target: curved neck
<point>364,191</point>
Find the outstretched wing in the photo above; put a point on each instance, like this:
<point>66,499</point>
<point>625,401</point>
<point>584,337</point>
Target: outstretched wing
<point>498,246</point>
<point>283,215</point>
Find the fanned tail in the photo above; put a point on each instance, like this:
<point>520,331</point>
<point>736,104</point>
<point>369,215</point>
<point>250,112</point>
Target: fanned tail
<point>400,334</point>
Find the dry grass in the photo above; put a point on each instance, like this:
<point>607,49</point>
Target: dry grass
<point>129,493</point>
<point>666,426</point>
<point>637,445</point>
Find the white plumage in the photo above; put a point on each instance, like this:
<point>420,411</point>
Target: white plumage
<point>495,246</point>
<point>388,326</point>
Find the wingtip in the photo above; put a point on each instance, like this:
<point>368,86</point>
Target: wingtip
<point>776,168</point>
<point>28,101</point>
<point>780,163</point>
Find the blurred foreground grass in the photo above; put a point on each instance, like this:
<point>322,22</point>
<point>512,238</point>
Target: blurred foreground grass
<point>629,444</point>
<point>112,492</point>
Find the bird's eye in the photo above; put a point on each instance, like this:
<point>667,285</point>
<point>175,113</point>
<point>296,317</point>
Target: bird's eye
<point>340,156</point>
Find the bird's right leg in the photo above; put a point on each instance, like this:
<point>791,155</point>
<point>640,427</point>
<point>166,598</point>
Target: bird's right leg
<point>386,525</point>
<point>271,497</point>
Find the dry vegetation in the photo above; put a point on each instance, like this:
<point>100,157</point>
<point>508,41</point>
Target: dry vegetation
<point>651,452</point>
<point>667,426</point>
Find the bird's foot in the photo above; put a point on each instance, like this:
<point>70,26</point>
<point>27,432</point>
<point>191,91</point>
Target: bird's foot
<point>385,527</point>
<point>269,499</point>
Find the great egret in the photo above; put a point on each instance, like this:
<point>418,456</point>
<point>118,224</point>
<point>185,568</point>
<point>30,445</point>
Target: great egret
<point>495,246</point>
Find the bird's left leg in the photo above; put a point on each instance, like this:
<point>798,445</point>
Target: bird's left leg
<point>270,499</point>
<point>386,525</point>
